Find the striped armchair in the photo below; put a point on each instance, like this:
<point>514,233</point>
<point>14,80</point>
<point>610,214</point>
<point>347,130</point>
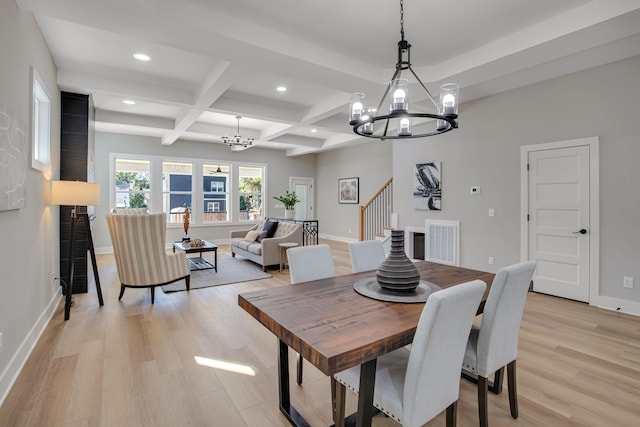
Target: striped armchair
<point>141,258</point>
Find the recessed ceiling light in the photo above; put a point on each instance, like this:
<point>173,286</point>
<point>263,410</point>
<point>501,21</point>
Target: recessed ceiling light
<point>281,89</point>
<point>314,130</point>
<point>129,102</point>
<point>142,57</point>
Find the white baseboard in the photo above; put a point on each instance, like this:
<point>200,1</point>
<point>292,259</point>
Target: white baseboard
<point>10,374</point>
<point>616,304</point>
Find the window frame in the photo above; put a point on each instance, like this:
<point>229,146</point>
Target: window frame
<point>40,123</point>
<point>198,205</point>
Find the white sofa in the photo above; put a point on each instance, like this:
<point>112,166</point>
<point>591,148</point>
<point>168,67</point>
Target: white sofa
<point>266,252</point>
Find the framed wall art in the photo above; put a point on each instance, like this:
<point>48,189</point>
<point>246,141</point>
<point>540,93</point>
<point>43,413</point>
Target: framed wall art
<point>348,189</point>
<point>427,186</point>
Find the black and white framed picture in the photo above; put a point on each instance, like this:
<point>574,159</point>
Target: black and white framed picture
<point>348,190</point>
<point>427,186</point>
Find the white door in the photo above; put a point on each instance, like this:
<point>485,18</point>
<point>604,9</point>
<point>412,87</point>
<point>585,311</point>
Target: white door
<point>559,221</point>
<point>303,188</point>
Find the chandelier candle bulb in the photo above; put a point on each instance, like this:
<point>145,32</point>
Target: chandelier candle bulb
<point>367,128</point>
<point>399,90</point>
<point>405,127</point>
<point>356,107</point>
<point>448,99</point>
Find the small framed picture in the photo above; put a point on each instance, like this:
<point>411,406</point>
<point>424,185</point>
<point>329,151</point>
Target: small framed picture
<point>348,190</point>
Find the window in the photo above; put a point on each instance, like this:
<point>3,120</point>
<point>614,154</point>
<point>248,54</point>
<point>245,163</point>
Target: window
<point>132,183</point>
<point>40,124</point>
<point>215,193</point>
<point>176,190</point>
<point>250,186</point>
<point>215,182</point>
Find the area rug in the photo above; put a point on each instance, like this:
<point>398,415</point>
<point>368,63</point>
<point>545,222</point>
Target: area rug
<point>230,270</point>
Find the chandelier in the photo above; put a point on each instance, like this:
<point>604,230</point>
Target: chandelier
<point>368,122</point>
<point>237,140</point>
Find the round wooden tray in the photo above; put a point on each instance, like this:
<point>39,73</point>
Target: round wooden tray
<point>369,287</point>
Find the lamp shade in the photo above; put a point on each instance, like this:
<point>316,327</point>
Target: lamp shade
<point>75,193</point>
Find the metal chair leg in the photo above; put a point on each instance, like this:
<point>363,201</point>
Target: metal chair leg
<point>121,292</point>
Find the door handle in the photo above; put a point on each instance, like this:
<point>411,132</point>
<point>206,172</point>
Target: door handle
<point>581,231</point>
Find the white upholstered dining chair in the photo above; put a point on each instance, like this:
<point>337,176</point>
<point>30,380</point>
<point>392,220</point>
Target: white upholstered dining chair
<point>141,257</point>
<point>308,263</point>
<point>413,386</point>
<point>494,344</point>
<point>366,255</point>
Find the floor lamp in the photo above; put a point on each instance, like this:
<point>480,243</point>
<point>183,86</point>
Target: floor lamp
<point>77,193</point>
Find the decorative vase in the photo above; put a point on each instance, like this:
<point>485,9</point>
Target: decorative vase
<point>397,273</point>
<point>288,213</point>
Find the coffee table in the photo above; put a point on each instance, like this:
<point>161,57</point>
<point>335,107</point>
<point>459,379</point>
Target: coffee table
<point>199,262</point>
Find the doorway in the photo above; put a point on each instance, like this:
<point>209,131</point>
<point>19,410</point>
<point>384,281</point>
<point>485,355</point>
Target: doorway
<point>303,188</point>
<point>559,205</point>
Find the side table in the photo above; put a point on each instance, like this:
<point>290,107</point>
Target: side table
<point>284,260</point>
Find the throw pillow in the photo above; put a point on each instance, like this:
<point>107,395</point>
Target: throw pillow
<point>270,228</point>
<point>251,236</point>
<point>261,236</point>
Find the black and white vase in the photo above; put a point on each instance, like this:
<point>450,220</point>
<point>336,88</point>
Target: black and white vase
<point>397,273</point>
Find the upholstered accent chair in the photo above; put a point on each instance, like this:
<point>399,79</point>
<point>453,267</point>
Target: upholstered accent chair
<point>140,253</point>
<point>308,263</point>
<point>413,386</point>
<point>494,344</point>
<point>130,211</point>
<point>366,255</point>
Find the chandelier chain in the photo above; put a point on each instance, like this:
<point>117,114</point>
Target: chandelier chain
<point>402,19</point>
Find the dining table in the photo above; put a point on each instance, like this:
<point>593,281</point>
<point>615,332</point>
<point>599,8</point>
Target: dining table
<point>335,328</point>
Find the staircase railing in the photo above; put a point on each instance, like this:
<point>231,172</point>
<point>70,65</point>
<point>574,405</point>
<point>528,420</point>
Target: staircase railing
<point>376,213</point>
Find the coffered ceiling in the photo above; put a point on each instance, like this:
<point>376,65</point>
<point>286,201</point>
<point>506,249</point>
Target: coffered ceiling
<point>214,59</point>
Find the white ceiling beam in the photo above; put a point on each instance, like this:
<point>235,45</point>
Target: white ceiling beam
<point>214,85</point>
<point>84,82</point>
<point>115,117</point>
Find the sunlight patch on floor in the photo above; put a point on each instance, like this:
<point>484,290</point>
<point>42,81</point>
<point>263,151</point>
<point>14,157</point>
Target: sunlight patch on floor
<point>226,366</point>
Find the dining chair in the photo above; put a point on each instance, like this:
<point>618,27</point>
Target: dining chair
<point>140,253</point>
<point>366,255</point>
<point>308,263</point>
<point>494,344</point>
<point>413,386</point>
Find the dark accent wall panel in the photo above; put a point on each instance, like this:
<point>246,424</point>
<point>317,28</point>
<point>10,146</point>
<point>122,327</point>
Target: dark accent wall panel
<point>76,150</point>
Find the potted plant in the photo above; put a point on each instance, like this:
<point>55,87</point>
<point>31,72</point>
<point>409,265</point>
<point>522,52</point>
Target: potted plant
<point>289,201</point>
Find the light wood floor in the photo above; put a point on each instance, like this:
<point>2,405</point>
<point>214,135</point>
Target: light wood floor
<point>131,363</point>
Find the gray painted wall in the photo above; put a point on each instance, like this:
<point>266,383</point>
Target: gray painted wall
<point>279,169</point>
<point>485,151</point>
<point>29,235</point>
<point>369,161</point>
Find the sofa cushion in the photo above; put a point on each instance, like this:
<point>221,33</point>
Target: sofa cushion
<point>270,227</point>
<point>261,235</point>
<point>251,235</point>
<point>285,228</point>
<point>255,248</point>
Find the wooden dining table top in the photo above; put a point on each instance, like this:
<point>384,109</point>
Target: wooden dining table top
<point>334,327</point>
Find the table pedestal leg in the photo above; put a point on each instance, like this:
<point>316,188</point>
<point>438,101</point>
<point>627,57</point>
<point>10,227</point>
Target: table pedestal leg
<point>286,408</point>
<point>365,396</point>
